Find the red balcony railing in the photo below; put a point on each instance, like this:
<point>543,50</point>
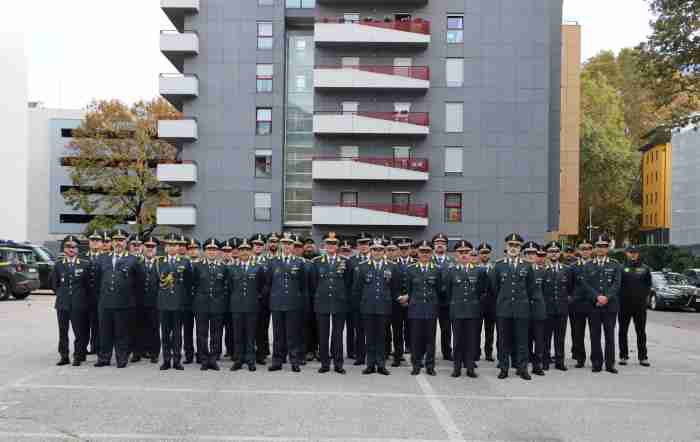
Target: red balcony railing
<point>417,118</point>
<point>419,210</point>
<point>417,72</point>
<point>417,164</point>
<point>417,25</point>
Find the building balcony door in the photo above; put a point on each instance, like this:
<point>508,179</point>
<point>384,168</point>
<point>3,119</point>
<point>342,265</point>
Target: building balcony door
<point>401,202</point>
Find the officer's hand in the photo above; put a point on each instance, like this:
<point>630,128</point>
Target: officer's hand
<point>602,300</point>
<point>403,300</point>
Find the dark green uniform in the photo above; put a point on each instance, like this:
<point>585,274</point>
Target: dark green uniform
<point>557,288</point>
<point>538,315</point>
<point>424,287</point>
<point>70,283</point>
<point>209,305</point>
<point>175,275</point>
<point>247,295</point>
<point>149,336</point>
<point>603,277</point>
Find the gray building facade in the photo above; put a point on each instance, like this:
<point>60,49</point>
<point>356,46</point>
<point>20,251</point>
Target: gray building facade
<point>685,188</point>
<point>402,117</point>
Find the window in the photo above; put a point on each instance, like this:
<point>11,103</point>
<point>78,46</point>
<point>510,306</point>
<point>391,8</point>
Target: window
<point>305,4</point>
<point>263,163</point>
<point>350,61</point>
<point>351,17</point>
<point>349,107</point>
<point>401,202</point>
<point>402,152</point>
<point>453,160</point>
<point>402,66</point>
<point>266,2</point>
<point>453,117</point>
<point>402,108</point>
<point>300,83</point>
<point>264,35</point>
<point>263,121</point>
<point>349,151</point>
<point>67,133</point>
<point>348,199</point>
<point>454,72</point>
<point>453,207</point>
<point>263,77</point>
<point>263,207</point>
<point>455,28</point>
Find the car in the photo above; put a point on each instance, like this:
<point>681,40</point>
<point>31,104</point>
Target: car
<point>19,274</point>
<point>693,276</point>
<point>672,291</point>
<point>46,262</point>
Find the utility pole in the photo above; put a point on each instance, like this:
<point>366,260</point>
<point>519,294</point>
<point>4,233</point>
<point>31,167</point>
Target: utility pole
<point>590,227</point>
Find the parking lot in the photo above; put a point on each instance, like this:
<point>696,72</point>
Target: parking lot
<point>39,401</point>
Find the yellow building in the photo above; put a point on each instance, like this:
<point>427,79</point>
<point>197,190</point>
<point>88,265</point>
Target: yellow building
<point>656,188</point>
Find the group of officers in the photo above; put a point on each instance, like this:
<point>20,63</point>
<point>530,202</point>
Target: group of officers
<point>388,297</point>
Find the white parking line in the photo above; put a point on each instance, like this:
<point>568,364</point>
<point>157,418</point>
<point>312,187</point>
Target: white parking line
<point>439,409</point>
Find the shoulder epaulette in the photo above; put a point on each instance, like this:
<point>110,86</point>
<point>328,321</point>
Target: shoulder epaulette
<point>317,258</point>
<point>501,260</point>
<point>413,264</point>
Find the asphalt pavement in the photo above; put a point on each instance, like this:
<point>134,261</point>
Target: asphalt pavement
<point>39,401</point>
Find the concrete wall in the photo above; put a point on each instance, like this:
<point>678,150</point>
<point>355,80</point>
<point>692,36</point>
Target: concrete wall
<point>685,188</point>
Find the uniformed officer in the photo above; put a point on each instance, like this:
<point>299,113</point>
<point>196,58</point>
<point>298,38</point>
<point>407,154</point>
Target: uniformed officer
<point>70,283</point>
<point>399,312</point>
<point>135,245</point>
<point>391,254</point>
<point>118,278</point>
<point>311,339</point>
<point>93,330</point>
<point>355,335</point>
<point>345,249</point>
<point>286,284</point>
<point>376,284</point>
<point>557,288</point>
<point>191,253</point>
<point>330,285</point>
<point>465,283</point>
<point>229,249</point>
<point>149,334</point>
<point>210,303</point>
<point>106,242</point>
<point>262,333</point>
<point>443,261</point>
<point>513,282</point>
<point>580,304</point>
<point>603,276</point>
<point>247,293</point>
<point>424,290</point>
<point>175,277</point>
<point>634,293</point>
<point>136,317</point>
<point>488,306</point>
<point>535,255</point>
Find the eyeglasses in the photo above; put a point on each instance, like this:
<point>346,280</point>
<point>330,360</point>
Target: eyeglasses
<point>603,246</point>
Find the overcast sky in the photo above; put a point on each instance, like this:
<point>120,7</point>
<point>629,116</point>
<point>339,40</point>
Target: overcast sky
<point>78,50</point>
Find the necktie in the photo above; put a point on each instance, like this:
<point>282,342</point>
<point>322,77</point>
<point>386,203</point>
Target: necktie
<point>114,262</point>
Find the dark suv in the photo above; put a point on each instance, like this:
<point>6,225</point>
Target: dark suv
<point>693,276</point>
<point>19,275</point>
<point>45,261</point>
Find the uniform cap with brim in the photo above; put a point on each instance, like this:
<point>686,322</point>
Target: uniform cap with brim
<point>135,239</point>
<point>345,245</point>
<point>484,246</point>
<point>424,245</point>
<point>584,243</point>
<point>330,238</point>
<point>274,237</point>
<point>211,243</point>
<point>182,240</point>
<point>552,246</point>
<point>440,237</point>
<point>530,246</point>
<point>151,241</point>
<point>603,240</point>
<point>245,244</point>
<point>258,238</point>
<point>95,236</point>
<point>462,245</point>
<point>514,237</point>
<point>287,238</point>
<point>193,244</point>
<point>377,243</point>
<point>106,236</point>
<point>363,239</point>
<point>119,234</point>
<point>70,240</point>
<point>171,238</point>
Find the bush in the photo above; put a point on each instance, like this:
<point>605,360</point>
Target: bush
<point>663,257</point>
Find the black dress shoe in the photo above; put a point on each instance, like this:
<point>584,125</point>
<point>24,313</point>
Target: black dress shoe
<point>471,373</point>
<point>165,365</point>
<point>643,363</point>
<point>457,372</point>
<point>91,352</point>
<point>489,358</point>
<point>339,370</point>
<point>396,363</point>
<point>80,358</point>
<point>63,361</point>
<point>154,359</point>
<point>214,366</point>
<point>524,375</point>
<point>121,364</point>
<point>597,369</point>
<point>135,358</point>
<point>369,370</point>
<point>324,369</point>
<point>383,371</point>
<point>178,366</point>
<point>538,371</point>
<point>251,367</point>
<point>580,364</point>
<point>430,371</point>
<point>261,361</point>
<point>476,365</point>
<point>204,367</point>
<point>448,358</point>
<point>351,355</point>
<point>76,362</point>
<point>623,361</point>
<point>359,362</point>
<point>612,370</point>
<point>545,367</point>
<point>237,366</point>
<point>101,364</point>
<point>561,367</point>
<point>274,368</point>
<point>415,371</point>
<point>503,374</point>
<point>190,360</point>
<point>296,369</point>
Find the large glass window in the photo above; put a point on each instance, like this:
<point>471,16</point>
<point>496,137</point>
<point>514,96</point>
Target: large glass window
<point>263,77</point>
<point>454,117</point>
<point>454,72</point>
<point>263,163</point>
<point>455,29</point>
<point>296,4</point>
<point>264,35</point>
<point>453,207</point>
<point>453,160</point>
<point>263,207</point>
<point>263,121</point>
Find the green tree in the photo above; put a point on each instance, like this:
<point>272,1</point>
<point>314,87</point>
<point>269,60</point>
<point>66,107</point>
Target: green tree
<point>113,157</point>
<point>609,164</point>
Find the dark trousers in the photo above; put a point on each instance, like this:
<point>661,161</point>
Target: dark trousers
<point>512,342</point>
<point>143,332</point>
<point>262,334</point>
<point>578,335</point>
<point>136,324</point>
<point>227,340</point>
<point>399,329</point>
<point>171,335</point>
<point>350,334</point>
<point>423,342</point>
<point>93,329</point>
<point>244,330</point>
<point>77,320</point>
<point>639,315</point>
<point>536,347</point>
<point>445,331</point>
<point>330,325</point>
<point>388,337</point>
<point>554,336</point>
<point>375,331</point>
<point>114,334</point>
<point>187,319</point>
<point>466,341</point>
<point>209,329</point>
<point>572,326</point>
<point>602,321</point>
<point>360,343</point>
<point>310,332</point>
<point>287,337</point>
<point>488,319</point>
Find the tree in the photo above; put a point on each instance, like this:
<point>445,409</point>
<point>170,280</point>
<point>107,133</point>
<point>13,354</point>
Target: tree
<point>112,157</point>
<point>609,165</point>
<point>670,58</point>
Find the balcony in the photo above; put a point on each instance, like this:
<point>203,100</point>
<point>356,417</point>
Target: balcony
<point>372,2</point>
<point>177,172</point>
<point>372,77</point>
<point>176,10</point>
<point>332,31</point>
<point>372,123</point>
<point>176,216</point>
<point>176,46</point>
<point>185,129</point>
<point>414,215</point>
<point>178,87</point>
<point>370,169</point>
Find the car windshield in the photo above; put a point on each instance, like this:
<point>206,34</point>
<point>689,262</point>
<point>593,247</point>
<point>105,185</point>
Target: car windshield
<point>677,279</point>
<point>26,257</point>
<point>658,279</point>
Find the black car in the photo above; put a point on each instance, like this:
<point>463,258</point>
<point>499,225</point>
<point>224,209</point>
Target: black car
<point>672,291</point>
<point>45,261</point>
<point>693,276</point>
<point>19,275</point>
